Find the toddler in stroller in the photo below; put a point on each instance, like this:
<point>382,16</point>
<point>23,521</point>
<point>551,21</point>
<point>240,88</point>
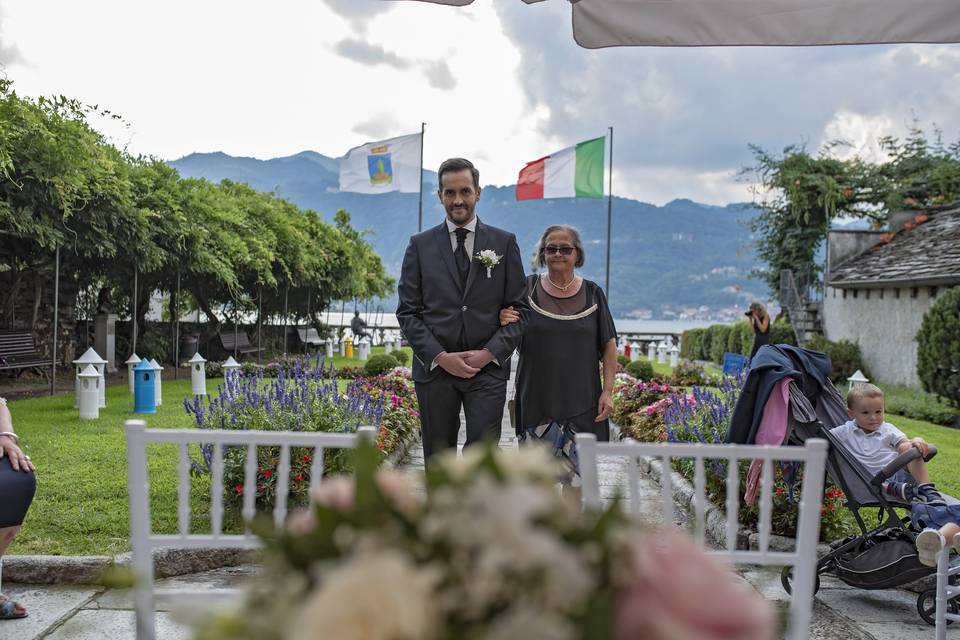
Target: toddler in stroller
<point>876,443</point>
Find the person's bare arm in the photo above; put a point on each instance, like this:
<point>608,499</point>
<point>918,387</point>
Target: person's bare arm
<point>605,405</point>
<point>764,323</point>
<point>9,444</point>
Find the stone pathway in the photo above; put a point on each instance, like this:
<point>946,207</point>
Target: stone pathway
<point>72,612</point>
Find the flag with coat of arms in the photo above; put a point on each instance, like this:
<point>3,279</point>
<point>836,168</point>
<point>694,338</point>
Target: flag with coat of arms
<point>384,166</point>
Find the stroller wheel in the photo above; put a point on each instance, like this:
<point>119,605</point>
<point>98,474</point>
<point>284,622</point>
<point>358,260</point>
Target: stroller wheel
<point>786,579</point>
<point>927,606</point>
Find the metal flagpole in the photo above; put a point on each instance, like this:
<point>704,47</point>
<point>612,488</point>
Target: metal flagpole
<point>259,322</point>
<point>286,298</point>
<point>56,323</point>
<point>176,335</point>
<point>306,335</point>
<point>609,215</point>
<point>133,310</point>
<point>423,127</point>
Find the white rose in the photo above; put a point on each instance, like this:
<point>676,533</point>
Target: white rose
<point>379,596</point>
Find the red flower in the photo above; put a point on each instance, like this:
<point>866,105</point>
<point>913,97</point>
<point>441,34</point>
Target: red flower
<point>267,473</point>
<point>298,477</point>
<point>306,457</point>
<point>239,489</point>
<point>920,218</point>
<point>909,225</point>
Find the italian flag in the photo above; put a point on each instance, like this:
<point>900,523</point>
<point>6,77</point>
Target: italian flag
<point>574,172</point>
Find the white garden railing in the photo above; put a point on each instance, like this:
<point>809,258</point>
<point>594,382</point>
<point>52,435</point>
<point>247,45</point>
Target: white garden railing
<point>143,540</point>
<point>945,593</point>
<point>803,559</point>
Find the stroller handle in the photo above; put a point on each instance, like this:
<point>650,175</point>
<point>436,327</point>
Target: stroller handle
<point>900,462</point>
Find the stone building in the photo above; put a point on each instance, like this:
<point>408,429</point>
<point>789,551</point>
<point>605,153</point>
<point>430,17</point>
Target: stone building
<point>879,285</point>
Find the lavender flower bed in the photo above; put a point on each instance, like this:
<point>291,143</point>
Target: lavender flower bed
<point>303,396</point>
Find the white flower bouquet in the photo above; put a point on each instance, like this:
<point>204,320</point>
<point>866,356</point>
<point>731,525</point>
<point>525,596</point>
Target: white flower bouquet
<point>489,258</point>
<point>491,553</point>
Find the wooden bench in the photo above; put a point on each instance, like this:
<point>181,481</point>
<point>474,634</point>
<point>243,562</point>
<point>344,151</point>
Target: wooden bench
<point>310,338</point>
<point>237,343</point>
<point>18,352</point>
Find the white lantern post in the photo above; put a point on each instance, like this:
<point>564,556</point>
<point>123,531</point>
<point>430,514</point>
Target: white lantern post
<point>634,351</point>
<point>157,377</point>
<point>651,351</point>
<point>674,356</point>
<point>363,348</point>
<point>328,347</point>
<point>662,352</point>
<point>855,379</point>
<point>231,365</point>
<point>90,381</point>
<point>131,362</point>
<point>388,342</point>
<point>343,344</point>
<point>198,375</point>
<point>89,357</point>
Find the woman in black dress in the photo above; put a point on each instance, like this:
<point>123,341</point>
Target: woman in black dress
<point>569,334</point>
<point>760,323</point>
<point>17,486</point>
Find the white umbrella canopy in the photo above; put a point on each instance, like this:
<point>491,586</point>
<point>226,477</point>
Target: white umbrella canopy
<point>702,23</point>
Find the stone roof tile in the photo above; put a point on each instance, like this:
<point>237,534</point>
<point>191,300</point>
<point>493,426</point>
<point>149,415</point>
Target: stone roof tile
<point>928,254</point>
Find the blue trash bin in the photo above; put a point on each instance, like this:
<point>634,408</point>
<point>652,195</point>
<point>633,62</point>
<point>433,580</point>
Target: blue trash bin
<point>733,364</point>
<point>144,388</point>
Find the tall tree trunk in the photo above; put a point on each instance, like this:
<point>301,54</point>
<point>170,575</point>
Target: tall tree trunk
<point>37,297</point>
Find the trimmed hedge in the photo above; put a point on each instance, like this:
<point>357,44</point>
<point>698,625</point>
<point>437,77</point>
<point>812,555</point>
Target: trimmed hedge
<point>380,364</point>
<point>640,369</point>
<point>938,347</point>
<point>844,355</point>
<point>712,342</point>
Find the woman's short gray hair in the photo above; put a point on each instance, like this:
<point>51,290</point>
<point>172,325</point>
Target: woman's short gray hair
<point>539,260</point>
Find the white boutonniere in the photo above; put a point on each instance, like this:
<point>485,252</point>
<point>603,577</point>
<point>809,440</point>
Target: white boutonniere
<point>489,259</point>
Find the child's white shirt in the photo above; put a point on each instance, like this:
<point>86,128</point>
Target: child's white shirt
<point>874,449</point>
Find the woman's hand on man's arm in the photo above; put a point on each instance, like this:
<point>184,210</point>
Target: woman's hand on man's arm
<point>509,316</point>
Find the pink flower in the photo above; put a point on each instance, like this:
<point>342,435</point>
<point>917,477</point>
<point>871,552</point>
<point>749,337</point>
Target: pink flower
<point>336,492</point>
<point>680,593</point>
<point>395,401</point>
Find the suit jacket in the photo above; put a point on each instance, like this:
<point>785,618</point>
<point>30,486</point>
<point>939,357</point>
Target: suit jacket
<point>435,310</point>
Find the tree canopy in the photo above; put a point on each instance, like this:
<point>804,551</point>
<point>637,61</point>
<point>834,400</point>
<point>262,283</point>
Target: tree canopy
<point>63,185</point>
<point>801,194</point>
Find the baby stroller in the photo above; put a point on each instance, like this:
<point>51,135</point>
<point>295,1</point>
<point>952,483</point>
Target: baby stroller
<point>883,556</point>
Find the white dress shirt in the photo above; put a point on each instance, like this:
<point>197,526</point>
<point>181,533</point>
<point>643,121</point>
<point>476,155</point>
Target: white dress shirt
<point>468,241</point>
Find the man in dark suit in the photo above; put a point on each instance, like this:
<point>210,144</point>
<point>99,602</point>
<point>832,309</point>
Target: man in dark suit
<point>449,313</point>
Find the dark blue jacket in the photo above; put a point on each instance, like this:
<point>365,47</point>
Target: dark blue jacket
<point>810,370</point>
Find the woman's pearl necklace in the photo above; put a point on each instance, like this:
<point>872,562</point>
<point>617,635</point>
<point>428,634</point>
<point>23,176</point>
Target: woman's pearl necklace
<point>558,287</point>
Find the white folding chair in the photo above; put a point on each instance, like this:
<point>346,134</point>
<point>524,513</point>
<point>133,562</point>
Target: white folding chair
<point>143,540</point>
<point>945,592</point>
<point>803,559</point>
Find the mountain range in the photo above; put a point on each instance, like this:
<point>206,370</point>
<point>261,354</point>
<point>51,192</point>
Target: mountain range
<point>664,259</point>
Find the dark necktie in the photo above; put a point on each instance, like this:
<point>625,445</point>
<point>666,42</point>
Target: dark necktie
<point>460,254</point>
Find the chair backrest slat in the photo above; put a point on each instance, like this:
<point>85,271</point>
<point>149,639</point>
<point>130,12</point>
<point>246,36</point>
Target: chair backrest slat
<point>283,486</point>
<point>183,489</point>
<point>216,492</point>
<point>142,539</point>
<point>316,467</point>
<point>733,504</point>
<point>250,473</point>
<point>699,501</point>
<point>803,560</point>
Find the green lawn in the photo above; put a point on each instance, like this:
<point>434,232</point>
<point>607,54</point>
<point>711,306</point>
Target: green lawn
<point>81,502</point>
<point>943,467</point>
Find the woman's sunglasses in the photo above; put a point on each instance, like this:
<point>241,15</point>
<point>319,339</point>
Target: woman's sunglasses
<point>564,251</point>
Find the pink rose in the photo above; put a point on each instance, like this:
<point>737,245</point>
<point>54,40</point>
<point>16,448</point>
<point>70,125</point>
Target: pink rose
<point>336,492</point>
<point>680,593</point>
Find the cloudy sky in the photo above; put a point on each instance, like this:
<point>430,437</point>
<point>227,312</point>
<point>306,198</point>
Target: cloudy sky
<point>500,82</point>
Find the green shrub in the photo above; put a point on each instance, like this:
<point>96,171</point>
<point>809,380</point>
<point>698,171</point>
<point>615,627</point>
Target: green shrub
<point>690,343</point>
<point>402,357</point>
<point>938,347</point>
<point>688,374</point>
<point>718,343</point>
<point>380,364</point>
<point>781,332</point>
<point>623,360</point>
<point>640,369</point>
<point>735,337</point>
<point>746,337</point>
<point>916,404</point>
<point>844,355</point>
<point>703,348</point>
